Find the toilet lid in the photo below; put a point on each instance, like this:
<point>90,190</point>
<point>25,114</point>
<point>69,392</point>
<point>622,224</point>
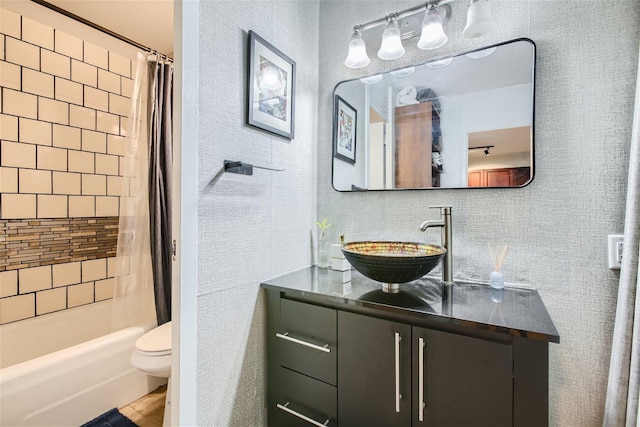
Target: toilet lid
<point>156,340</point>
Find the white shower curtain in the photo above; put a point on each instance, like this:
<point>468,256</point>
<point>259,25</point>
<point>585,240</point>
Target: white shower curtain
<point>133,300</point>
<point>623,390</point>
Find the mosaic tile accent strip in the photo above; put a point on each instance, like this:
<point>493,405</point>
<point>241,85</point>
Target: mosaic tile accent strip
<point>35,243</point>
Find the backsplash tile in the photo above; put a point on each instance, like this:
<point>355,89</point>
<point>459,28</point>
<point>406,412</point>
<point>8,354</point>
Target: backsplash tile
<point>10,23</point>
<point>21,53</point>
<point>17,308</point>
<point>56,64</point>
<point>51,300</point>
<point>9,180</point>
<point>80,294</point>
<point>63,106</point>
<point>40,242</point>
<point>17,154</point>
<point>8,283</point>
<point>69,91</point>
<point>34,181</point>
<point>33,279</point>
<point>19,104</point>
<point>34,131</point>
<point>37,33</point>
<point>66,137</point>
<point>68,45</point>
<point>10,75</point>
<point>66,274</point>
<point>17,206</point>
<point>37,83</point>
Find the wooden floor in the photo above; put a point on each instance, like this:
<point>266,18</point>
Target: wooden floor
<point>148,410</point>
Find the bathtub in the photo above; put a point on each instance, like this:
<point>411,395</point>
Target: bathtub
<point>70,386</point>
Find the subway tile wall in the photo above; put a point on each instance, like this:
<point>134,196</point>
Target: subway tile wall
<point>64,104</point>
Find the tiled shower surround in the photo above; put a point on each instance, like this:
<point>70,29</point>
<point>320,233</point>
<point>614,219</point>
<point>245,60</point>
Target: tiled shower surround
<point>64,106</point>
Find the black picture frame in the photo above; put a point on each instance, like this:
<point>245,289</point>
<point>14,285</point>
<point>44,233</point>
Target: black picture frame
<point>271,79</point>
<point>345,126</point>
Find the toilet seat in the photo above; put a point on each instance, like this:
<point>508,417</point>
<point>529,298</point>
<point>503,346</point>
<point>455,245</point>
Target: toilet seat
<point>155,342</point>
<point>152,352</point>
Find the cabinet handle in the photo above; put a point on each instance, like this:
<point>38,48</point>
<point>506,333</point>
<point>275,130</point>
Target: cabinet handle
<point>286,336</point>
<point>398,395</point>
<point>302,417</point>
<point>421,402</point>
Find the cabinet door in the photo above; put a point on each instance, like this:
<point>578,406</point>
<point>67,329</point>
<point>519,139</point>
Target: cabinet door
<point>499,177</point>
<point>374,370</point>
<point>413,146</point>
<point>465,381</point>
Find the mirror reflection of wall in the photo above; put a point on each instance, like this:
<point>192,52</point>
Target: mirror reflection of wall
<point>416,124</point>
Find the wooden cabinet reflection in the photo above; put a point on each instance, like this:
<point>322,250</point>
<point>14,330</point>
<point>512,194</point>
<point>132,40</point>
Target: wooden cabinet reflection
<point>506,177</point>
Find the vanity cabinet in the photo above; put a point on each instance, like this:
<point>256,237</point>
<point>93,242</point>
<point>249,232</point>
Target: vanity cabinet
<point>335,356</point>
<point>392,374</point>
<point>505,177</point>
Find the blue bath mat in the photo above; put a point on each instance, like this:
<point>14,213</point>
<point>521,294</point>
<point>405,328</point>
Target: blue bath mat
<point>111,418</point>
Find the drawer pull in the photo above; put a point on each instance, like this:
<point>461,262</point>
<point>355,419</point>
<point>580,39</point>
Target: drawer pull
<point>421,403</point>
<point>398,338</point>
<point>286,336</point>
<point>299,415</point>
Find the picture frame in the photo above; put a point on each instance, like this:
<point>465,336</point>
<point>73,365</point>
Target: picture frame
<point>271,80</point>
<point>344,131</point>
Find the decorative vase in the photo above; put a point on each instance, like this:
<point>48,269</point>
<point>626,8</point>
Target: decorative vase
<point>496,280</point>
<point>323,251</point>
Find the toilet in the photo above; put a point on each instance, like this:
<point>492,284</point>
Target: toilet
<point>152,354</point>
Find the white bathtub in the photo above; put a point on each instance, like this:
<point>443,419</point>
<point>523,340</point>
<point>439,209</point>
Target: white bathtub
<point>71,386</point>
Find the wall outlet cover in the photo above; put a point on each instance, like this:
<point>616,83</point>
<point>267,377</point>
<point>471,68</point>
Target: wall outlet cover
<point>615,244</point>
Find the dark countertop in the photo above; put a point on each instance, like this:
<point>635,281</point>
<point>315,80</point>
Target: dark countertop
<point>513,311</point>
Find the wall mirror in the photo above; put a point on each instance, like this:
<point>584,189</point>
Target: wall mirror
<point>460,122</point>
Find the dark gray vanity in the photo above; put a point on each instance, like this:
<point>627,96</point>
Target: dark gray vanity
<point>429,355</point>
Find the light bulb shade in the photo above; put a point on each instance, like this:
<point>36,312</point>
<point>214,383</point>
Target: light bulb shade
<point>391,47</point>
<point>479,20</point>
<point>357,56</point>
<point>433,35</point>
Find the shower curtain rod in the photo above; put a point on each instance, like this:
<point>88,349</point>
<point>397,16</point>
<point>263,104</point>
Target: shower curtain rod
<point>100,28</point>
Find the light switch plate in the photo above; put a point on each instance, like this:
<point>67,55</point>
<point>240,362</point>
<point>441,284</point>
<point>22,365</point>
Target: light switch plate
<point>615,242</point>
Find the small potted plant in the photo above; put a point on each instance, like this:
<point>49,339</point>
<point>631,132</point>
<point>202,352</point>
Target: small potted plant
<point>323,244</point>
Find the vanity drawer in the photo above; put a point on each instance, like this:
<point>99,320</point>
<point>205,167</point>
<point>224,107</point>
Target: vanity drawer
<point>306,340</point>
<point>302,401</point>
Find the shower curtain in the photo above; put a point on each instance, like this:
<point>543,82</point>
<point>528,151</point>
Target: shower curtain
<point>133,289</point>
<point>160,161</point>
<point>623,390</point>
<point>142,289</point>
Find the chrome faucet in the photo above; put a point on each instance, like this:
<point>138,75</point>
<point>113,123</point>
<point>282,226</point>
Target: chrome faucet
<point>445,224</point>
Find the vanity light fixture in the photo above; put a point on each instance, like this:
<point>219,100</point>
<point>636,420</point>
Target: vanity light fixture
<point>391,47</point>
<point>404,25</point>
<point>479,20</point>
<point>357,57</point>
<point>433,35</point>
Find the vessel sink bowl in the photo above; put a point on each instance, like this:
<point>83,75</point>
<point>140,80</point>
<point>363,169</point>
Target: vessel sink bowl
<point>393,262</point>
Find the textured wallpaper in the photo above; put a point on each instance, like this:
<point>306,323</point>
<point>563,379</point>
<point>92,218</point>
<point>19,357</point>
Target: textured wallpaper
<point>557,226</point>
<point>250,228</point>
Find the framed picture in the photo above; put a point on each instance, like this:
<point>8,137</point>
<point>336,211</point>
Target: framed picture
<point>271,88</point>
<point>344,128</point>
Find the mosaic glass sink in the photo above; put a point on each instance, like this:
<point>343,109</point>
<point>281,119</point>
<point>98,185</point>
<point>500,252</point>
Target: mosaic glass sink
<point>393,262</point>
